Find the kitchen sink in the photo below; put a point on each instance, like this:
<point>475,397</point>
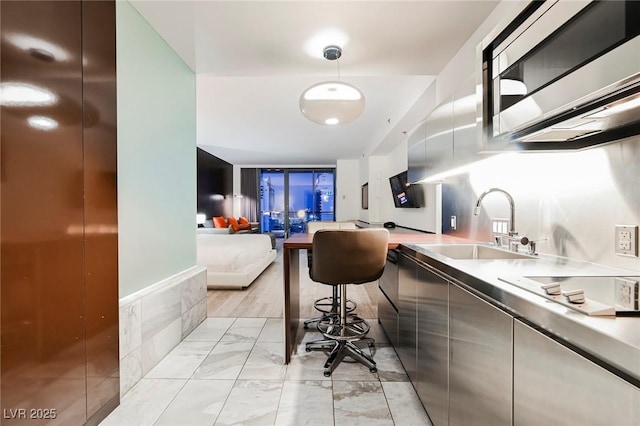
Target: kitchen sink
<point>473,251</point>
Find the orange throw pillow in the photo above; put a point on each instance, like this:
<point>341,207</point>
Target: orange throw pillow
<point>243,221</point>
<point>219,222</point>
<point>246,226</point>
<point>234,224</point>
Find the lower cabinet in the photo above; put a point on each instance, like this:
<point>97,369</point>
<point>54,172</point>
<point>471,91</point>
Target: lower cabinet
<point>424,335</point>
<point>474,364</point>
<point>554,385</point>
<point>388,318</point>
<point>388,298</point>
<point>480,361</point>
<point>432,382</point>
<point>407,315</point>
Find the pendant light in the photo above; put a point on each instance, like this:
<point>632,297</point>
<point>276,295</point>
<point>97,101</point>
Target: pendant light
<point>332,102</point>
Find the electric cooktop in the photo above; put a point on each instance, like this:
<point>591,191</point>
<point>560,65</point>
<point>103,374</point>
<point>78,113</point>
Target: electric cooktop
<point>590,295</point>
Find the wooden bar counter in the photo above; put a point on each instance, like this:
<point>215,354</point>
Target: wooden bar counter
<point>291,268</point>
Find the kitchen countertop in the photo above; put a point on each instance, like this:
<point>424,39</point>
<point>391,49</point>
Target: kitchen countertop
<point>303,241</point>
<point>614,340</point>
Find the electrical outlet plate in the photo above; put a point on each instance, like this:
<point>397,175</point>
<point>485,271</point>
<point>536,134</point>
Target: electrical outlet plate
<point>626,240</point>
<point>626,293</point>
<point>500,226</point>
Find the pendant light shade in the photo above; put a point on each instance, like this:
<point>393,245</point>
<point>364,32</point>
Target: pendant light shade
<point>332,102</point>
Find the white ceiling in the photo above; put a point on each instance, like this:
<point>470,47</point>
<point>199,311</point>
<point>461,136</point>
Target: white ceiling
<point>253,59</point>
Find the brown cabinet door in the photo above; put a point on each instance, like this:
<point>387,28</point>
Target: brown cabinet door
<point>59,305</point>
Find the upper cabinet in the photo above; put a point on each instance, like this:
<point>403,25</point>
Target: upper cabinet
<point>439,138</point>
<point>417,153</point>
<point>430,145</point>
<point>467,135</point>
<point>449,136</point>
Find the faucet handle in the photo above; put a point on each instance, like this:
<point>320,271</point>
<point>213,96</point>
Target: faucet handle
<point>531,243</point>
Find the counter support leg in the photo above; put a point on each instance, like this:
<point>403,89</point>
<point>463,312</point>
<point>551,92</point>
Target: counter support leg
<point>291,311</point>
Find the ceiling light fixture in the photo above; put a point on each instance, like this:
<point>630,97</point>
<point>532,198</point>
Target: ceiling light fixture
<point>332,102</point>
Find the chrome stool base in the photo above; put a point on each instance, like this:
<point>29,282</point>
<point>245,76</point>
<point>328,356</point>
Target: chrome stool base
<point>338,350</point>
<point>342,334</point>
<point>348,348</point>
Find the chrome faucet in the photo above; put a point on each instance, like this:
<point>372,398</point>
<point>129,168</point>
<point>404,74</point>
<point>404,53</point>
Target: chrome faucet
<point>513,244</point>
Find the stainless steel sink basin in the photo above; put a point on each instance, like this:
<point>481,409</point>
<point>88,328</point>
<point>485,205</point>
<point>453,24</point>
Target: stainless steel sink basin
<point>473,251</point>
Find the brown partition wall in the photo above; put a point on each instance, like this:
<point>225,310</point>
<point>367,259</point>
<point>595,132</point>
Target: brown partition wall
<point>58,213</point>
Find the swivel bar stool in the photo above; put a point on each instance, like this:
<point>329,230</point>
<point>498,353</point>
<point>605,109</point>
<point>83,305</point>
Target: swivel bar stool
<point>342,258</point>
<point>327,306</point>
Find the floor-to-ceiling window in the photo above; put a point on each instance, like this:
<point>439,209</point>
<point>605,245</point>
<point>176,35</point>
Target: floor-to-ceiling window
<point>272,201</point>
<point>289,198</point>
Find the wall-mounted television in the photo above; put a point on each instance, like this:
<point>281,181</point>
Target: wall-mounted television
<point>405,194</point>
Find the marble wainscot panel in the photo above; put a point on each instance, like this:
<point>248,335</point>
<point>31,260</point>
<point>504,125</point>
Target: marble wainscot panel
<point>154,320</point>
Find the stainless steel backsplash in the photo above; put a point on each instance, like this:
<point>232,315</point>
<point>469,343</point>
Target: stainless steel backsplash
<point>571,199</point>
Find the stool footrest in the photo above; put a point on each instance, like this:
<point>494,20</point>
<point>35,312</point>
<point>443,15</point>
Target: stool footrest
<point>355,328</point>
<point>330,305</point>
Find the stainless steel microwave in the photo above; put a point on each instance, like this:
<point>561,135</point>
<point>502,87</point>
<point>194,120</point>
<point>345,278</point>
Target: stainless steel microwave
<point>564,74</point>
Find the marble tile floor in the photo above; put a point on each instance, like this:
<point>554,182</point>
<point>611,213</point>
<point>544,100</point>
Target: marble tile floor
<point>230,371</point>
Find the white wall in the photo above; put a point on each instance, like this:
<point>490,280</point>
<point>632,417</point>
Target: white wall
<point>378,182</point>
<point>156,156</point>
<point>348,190</point>
<point>376,170</point>
<point>363,171</point>
<point>423,218</point>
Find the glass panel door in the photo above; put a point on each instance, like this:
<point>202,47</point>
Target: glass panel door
<point>291,198</point>
<point>311,198</point>
<point>272,207</point>
<point>325,192</point>
<point>301,200</point>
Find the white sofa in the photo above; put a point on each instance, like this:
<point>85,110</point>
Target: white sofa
<point>312,227</point>
<point>233,261</point>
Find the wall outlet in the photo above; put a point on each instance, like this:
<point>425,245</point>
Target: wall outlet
<point>626,240</point>
<point>626,293</point>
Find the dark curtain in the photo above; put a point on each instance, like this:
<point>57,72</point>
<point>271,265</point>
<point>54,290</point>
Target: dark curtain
<point>214,185</point>
<point>249,191</point>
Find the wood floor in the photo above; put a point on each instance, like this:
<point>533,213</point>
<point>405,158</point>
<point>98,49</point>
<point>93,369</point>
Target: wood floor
<point>265,297</point>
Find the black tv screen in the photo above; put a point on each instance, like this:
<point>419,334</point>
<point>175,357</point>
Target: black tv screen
<point>404,194</point>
